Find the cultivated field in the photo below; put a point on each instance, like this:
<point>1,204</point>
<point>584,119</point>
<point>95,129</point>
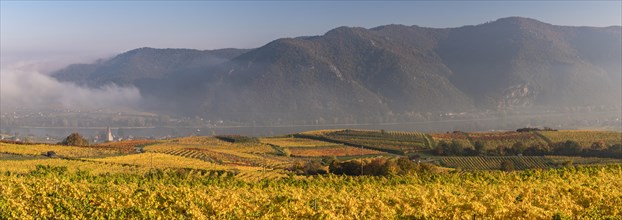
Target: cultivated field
<point>340,151</point>
<point>297,142</point>
<point>584,138</point>
<point>520,162</point>
<point>235,177</point>
<point>305,147</point>
<point>459,137</point>
<point>402,143</point>
<point>53,192</point>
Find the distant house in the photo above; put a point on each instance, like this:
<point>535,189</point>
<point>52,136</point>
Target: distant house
<point>109,136</point>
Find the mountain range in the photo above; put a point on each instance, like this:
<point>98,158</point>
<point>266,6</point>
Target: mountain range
<point>353,74</point>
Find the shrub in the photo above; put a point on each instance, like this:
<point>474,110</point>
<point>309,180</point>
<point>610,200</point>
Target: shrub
<point>567,148</point>
<point>375,167</point>
<point>237,139</point>
<point>379,167</point>
<point>326,161</point>
<point>507,165</point>
<point>518,148</point>
<point>312,167</point>
<point>480,148</point>
<point>350,168</point>
<point>537,149</point>
<point>567,163</point>
<point>74,139</point>
<point>441,147</point>
<point>456,148</point>
<point>50,154</point>
<point>405,165</point>
<point>285,152</point>
<point>390,168</point>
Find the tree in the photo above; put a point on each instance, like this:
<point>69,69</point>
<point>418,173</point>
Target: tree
<point>326,161</point>
<point>615,151</point>
<point>313,167</point>
<point>480,148</point>
<point>375,167</point>
<point>405,165</point>
<point>74,139</point>
<point>50,154</point>
<point>599,145</point>
<point>441,148</point>
<point>536,149</point>
<point>518,148</point>
<point>391,168</point>
<point>353,167</point>
<point>568,148</point>
<point>456,148</point>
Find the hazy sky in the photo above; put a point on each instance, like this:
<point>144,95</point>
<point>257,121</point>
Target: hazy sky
<point>80,28</point>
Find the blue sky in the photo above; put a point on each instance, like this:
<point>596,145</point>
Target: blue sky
<point>49,28</point>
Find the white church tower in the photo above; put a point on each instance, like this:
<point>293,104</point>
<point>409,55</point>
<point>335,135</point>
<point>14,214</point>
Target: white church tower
<point>109,135</point>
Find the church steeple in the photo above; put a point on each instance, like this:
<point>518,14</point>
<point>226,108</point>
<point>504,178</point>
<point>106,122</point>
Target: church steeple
<point>109,135</point>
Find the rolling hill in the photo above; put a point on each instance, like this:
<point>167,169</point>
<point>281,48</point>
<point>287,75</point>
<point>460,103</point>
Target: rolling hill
<point>353,74</point>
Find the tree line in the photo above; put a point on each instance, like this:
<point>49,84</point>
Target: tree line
<point>564,148</point>
<point>369,167</point>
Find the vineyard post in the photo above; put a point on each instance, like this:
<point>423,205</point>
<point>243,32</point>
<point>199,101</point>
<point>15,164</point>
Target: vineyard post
<point>361,160</point>
<point>151,168</point>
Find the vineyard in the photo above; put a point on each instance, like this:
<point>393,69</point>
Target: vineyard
<point>25,166</point>
<point>495,163</point>
<point>401,143</point>
<point>332,151</point>
<point>459,137</point>
<point>582,160</point>
<point>127,144</point>
<point>160,161</point>
<point>568,193</point>
<point>59,150</point>
<point>208,177</point>
<point>584,138</point>
<point>304,147</point>
<point>228,155</point>
<point>519,162</point>
<point>297,142</point>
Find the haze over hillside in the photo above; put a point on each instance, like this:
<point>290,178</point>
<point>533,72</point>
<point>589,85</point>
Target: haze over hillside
<point>355,74</point>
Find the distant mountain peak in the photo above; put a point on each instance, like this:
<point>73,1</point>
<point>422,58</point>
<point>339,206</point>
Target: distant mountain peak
<point>520,22</point>
<point>344,30</point>
<point>386,73</point>
<point>517,19</point>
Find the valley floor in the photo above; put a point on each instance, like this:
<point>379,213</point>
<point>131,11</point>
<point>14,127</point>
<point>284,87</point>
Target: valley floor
<point>237,177</point>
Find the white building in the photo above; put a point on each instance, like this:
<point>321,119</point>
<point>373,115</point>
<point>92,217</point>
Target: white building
<point>109,136</point>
